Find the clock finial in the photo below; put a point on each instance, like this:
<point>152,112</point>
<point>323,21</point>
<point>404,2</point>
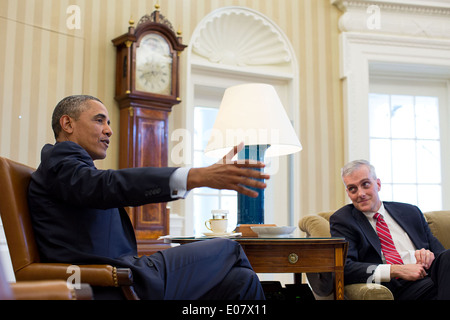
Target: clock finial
<point>179,34</point>
<point>131,25</point>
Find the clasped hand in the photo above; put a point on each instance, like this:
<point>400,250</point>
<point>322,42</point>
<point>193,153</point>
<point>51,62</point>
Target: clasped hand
<point>231,175</point>
<point>424,257</point>
<point>412,272</point>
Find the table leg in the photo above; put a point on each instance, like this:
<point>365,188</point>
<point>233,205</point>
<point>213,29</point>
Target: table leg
<point>339,285</point>
<point>339,274</point>
<point>297,278</point>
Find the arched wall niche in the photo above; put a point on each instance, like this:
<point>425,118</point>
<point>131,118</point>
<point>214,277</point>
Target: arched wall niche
<point>234,45</point>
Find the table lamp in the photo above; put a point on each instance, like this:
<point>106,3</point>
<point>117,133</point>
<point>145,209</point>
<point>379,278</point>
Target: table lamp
<point>252,113</point>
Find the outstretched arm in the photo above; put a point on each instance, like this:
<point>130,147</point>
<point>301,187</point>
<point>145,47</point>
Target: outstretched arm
<point>228,174</point>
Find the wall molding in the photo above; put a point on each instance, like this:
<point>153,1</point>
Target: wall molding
<point>363,49</point>
<point>429,19</point>
<point>238,36</point>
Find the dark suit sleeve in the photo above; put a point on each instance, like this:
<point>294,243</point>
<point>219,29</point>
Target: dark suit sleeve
<point>73,178</point>
<point>422,235</point>
<point>355,271</point>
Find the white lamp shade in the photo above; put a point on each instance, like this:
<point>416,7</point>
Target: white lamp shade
<point>252,113</point>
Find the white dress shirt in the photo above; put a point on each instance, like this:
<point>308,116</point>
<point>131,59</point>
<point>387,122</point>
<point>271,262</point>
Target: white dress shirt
<point>178,183</point>
<point>402,243</point>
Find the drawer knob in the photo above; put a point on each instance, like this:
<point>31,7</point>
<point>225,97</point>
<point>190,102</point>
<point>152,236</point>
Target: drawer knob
<point>293,258</point>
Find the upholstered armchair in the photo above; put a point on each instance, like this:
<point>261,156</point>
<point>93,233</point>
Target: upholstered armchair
<point>41,290</point>
<point>105,280</point>
<point>318,225</point>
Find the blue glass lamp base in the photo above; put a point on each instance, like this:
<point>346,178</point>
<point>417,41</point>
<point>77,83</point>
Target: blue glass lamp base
<point>251,210</point>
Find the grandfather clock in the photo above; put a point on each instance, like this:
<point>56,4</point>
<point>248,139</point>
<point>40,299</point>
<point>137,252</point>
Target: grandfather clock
<point>147,87</point>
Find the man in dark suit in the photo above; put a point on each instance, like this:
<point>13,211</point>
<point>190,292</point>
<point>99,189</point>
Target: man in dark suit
<point>78,216</point>
<point>423,268</point>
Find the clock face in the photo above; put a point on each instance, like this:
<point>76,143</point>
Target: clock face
<point>154,65</point>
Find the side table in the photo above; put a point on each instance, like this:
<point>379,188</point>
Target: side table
<point>294,255</point>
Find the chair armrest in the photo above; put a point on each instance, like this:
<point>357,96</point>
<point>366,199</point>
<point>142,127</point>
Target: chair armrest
<point>364,291</point>
<point>49,290</point>
<point>95,275</point>
<point>315,226</point>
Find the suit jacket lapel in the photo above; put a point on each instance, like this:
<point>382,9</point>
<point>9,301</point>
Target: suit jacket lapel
<point>368,230</point>
<point>402,219</point>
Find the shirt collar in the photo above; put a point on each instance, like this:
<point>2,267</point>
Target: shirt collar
<point>382,211</point>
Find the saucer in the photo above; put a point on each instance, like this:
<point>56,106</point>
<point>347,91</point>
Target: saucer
<point>225,234</point>
<point>273,232</point>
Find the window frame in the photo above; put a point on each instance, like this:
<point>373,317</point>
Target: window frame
<point>363,55</point>
<point>423,86</point>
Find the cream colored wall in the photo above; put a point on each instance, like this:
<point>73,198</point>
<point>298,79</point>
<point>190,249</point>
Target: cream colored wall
<point>42,61</point>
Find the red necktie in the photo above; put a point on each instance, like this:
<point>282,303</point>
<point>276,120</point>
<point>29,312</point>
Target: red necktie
<point>387,244</point>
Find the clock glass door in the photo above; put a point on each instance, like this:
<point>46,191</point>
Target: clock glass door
<point>154,65</point>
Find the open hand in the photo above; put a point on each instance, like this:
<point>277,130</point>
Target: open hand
<point>229,174</point>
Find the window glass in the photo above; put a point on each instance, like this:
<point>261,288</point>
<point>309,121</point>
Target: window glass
<point>404,164</point>
<point>379,113</point>
<point>207,199</point>
<point>402,116</point>
<point>427,116</point>
<point>405,147</point>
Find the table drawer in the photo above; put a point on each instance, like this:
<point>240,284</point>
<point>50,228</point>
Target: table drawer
<point>291,258</point>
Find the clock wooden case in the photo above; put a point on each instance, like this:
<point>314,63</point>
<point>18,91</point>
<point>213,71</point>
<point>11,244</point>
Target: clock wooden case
<point>147,87</point>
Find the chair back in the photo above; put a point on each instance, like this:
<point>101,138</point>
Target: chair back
<point>14,181</point>
<point>439,223</point>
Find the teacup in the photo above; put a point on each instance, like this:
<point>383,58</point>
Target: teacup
<point>219,214</point>
<point>217,225</point>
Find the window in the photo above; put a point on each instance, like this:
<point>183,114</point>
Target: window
<point>419,61</point>
<point>406,138</point>
<point>206,199</point>
<point>214,66</point>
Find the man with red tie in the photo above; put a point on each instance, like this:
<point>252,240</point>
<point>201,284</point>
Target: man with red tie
<point>389,242</point>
